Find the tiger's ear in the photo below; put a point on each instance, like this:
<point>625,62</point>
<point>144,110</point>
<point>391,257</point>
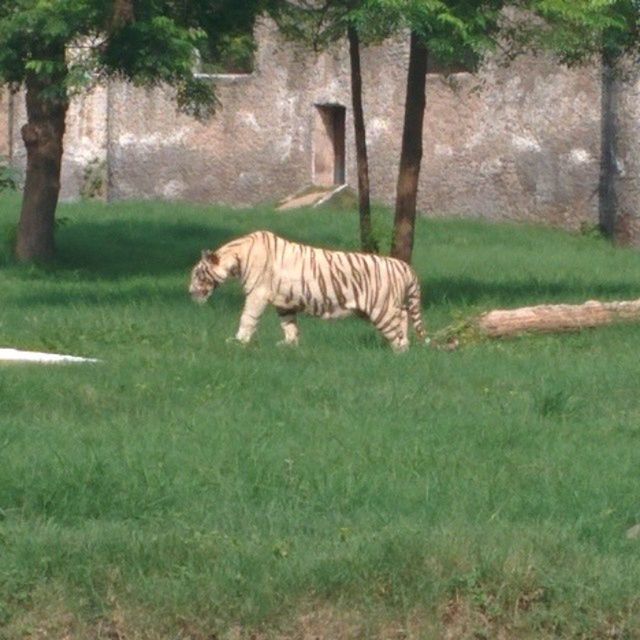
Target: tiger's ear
<point>211,256</point>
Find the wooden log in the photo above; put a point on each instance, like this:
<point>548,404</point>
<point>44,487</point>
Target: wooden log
<point>556,317</point>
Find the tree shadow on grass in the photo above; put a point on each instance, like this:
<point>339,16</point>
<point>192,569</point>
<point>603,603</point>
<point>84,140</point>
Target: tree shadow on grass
<point>173,295</point>
<point>116,249</point>
<point>445,292</point>
<point>121,248</point>
<point>465,291</point>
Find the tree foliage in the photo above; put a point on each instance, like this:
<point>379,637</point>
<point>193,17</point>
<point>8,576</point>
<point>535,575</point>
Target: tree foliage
<point>453,31</point>
<point>576,31</point>
<point>322,22</point>
<point>70,43</point>
<point>228,44</point>
<point>55,48</point>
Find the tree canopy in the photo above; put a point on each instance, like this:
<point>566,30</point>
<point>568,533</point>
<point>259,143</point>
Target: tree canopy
<point>55,48</point>
<point>452,30</point>
<point>575,31</point>
<point>71,43</point>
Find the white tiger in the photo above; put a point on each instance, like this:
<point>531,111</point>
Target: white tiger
<point>299,278</point>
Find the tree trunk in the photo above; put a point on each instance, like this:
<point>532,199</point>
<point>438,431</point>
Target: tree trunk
<point>367,241</point>
<point>42,137</point>
<point>556,317</point>
<point>123,14</point>
<point>625,174</point>
<point>608,154</point>
<point>411,155</point>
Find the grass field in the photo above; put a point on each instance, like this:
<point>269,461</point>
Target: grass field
<point>189,488</point>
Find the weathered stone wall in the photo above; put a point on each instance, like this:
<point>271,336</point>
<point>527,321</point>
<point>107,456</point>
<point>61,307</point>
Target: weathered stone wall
<point>84,141</point>
<point>257,148</point>
<point>5,123</point>
<point>518,143</point>
<point>512,143</point>
<point>524,144</point>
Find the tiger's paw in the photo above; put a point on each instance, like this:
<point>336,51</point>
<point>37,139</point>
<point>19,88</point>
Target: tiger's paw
<point>287,343</point>
<point>401,347</point>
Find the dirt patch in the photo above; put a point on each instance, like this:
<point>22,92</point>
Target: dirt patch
<point>459,618</point>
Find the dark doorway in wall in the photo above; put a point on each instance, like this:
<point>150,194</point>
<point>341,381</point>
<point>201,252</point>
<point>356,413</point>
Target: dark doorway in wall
<point>329,145</point>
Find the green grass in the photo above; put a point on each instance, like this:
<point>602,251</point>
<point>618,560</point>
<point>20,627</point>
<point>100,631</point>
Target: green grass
<point>190,488</point>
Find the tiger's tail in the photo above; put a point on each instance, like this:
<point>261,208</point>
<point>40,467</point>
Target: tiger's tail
<point>415,309</point>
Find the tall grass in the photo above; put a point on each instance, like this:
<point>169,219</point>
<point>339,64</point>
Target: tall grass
<point>186,487</point>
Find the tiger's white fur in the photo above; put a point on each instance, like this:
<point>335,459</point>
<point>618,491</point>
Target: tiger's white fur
<point>296,278</point>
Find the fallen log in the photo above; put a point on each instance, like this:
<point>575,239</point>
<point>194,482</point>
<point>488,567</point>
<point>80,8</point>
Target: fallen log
<point>547,318</point>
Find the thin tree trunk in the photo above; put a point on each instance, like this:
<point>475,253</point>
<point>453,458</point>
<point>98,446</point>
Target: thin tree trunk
<point>123,14</point>
<point>625,178</point>
<point>411,154</point>
<point>42,137</point>
<point>608,160</point>
<point>367,241</point>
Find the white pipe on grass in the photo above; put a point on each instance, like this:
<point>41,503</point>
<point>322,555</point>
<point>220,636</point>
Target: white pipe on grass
<point>15,355</point>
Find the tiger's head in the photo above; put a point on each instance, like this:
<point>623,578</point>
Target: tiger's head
<point>203,277</point>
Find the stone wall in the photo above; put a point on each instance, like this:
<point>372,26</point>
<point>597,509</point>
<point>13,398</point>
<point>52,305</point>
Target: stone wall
<point>5,123</point>
<point>85,141</point>
<point>525,145</point>
<point>519,143</point>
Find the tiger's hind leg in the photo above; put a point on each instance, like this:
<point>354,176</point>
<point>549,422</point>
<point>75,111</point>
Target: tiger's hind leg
<point>404,324</point>
<point>394,326</point>
<point>289,324</point>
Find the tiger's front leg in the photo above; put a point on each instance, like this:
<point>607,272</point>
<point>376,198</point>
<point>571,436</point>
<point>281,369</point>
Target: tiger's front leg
<point>254,306</point>
<point>289,324</point>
